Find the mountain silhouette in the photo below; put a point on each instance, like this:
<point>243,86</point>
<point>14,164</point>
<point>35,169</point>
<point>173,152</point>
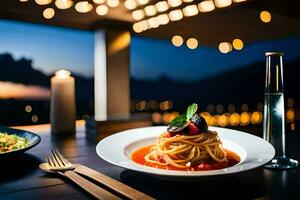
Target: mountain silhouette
<point>242,85</point>
<point>21,71</point>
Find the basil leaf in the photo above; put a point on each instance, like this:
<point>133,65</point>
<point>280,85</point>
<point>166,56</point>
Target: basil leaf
<point>178,124</point>
<point>178,121</point>
<point>191,110</point>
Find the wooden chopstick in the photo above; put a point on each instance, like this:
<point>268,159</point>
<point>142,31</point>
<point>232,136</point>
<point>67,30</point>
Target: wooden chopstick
<point>91,188</point>
<point>114,185</point>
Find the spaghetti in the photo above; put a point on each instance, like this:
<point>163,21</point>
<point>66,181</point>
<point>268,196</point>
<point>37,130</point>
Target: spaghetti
<point>183,151</point>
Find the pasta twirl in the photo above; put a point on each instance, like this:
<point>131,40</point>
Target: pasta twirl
<point>183,151</point>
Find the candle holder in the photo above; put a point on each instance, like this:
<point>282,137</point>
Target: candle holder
<point>63,106</point>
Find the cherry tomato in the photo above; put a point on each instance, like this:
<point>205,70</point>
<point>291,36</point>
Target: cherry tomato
<point>193,129</point>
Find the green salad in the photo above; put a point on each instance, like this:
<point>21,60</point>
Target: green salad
<point>12,142</point>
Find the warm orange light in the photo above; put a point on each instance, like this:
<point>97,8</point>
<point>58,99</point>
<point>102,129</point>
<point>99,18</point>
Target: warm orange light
<point>205,115</point>
<point>162,19</point>
<point>152,22</point>
<point>112,3</point>
<point>102,10</point>
<point>142,2</point>
<point>290,115</point>
<point>150,10</point>
<point>237,44</point>
<point>174,3</point>
<point>156,118</point>
<point>63,4</point>
<point>190,10</point>
<point>222,3</point>
<point>177,40</point>
<point>138,14</point>
<point>162,6</point>
<point>234,119</point>
<point>192,43</point>
<point>62,74</point>
<point>130,4</point>
<point>223,121</point>
<point>43,2</point>
<point>166,105</point>
<point>167,118</point>
<point>265,16</point>
<point>256,117</point>
<point>206,6</point>
<point>211,120</point>
<point>99,1</point>
<point>175,15</point>
<point>245,119</point>
<point>12,90</point>
<point>83,7</point>
<point>225,47</point>
<point>122,41</point>
<point>48,13</point>
<point>140,26</point>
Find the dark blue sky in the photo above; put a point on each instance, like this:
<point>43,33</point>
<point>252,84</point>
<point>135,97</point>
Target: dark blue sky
<point>49,47</point>
<point>152,58</point>
<point>53,48</point>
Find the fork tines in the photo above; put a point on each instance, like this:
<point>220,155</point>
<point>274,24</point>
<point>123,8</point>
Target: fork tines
<point>57,162</point>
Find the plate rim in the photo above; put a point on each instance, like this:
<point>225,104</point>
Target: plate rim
<point>7,129</point>
<point>178,173</point>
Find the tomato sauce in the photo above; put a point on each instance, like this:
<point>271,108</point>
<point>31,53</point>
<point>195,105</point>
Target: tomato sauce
<point>232,159</point>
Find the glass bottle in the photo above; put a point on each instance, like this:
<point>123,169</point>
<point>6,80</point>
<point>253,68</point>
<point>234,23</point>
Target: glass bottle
<point>274,121</point>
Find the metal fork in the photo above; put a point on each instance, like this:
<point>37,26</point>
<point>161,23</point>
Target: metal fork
<point>116,186</point>
<point>57,163</point>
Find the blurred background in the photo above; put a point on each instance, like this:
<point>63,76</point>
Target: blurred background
<point>166,74</point>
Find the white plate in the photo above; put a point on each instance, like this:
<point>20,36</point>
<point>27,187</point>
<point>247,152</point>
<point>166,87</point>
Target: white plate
<point>117,149</point>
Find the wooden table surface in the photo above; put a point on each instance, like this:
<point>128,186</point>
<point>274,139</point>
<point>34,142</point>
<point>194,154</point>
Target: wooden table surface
<point>20,178</point>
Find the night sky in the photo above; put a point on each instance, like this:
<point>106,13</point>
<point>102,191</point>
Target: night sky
<point>52,48</point>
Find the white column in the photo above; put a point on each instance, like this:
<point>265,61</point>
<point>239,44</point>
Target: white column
<point>100,75</point>
<point>111,63</point>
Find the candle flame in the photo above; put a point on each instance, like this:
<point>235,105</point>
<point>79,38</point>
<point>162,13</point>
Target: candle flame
<point>62,74</point>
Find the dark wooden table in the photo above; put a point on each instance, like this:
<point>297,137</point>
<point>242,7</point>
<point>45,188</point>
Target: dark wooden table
<point>20,177</point>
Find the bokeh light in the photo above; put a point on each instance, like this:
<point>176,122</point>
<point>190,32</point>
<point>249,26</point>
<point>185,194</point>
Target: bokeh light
<point>102,10</point>
<point>225,47</point>
<point>256,117</point>
<point>48,13</point>
<point>245,119</point>
<point>28,108</point>
<point>237,44</point>
<point>156,118</point>
<point>177,40</point>
<point>265,16</point>
<point>192,43</point>
<point>234,119</point>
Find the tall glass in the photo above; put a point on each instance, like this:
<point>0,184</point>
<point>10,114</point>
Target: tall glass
<point>274,122</point>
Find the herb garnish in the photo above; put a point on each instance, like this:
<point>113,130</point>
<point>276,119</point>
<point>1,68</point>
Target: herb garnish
<point>182,121</point>
<point>191,110</point>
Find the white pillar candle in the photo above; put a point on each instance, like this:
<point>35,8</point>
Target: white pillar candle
<point>63,107</point>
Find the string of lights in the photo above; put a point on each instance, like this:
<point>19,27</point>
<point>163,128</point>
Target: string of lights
<point>149,14</point>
